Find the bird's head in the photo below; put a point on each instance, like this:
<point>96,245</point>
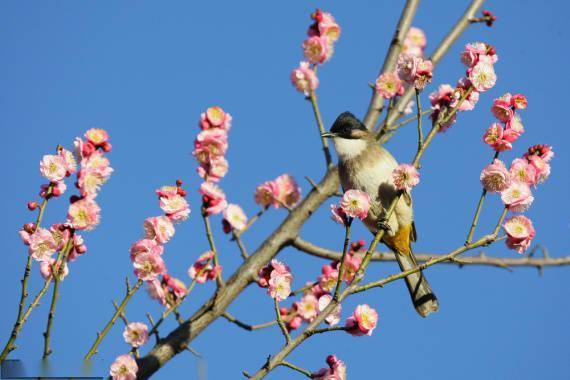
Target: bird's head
<point>349,134</point>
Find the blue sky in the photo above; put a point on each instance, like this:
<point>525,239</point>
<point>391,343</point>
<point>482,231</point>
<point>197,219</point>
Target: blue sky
<point>145,72</point>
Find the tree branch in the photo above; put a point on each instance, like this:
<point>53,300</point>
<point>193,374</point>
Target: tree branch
<point>245,326</point>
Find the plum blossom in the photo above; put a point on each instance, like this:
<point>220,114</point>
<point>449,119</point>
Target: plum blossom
<point>541,167</point>
<point>307,307</point>
<point>176,287</point>
<point>69,161</point>
<point>502,109</point>
<point>317,49</point>
<point>215,117</point>
<point>363,321</point>
<point>279,286</point>
<point>338,215</point>
<point>414,70</point>
<point>334,317</point>
<point>517,197</point>
<point>276,266</point>
<point>281,192</point>
<point>214,168</point>
<point>494,137</point>
<point>405,177</point>
<point>214,199</point>
<point>355,204</point>
<point>519,101</point>
<point>520,232</point>
<point>477,51</point>
<point>53,167</point>
<point>159,228</point>
<point>97,136</point>
<point>84,214</point>
<point>136,334</point>
<point>41,244</point>
<point>210,143</point>
<point>124,368</point>
<point>415,42</point>
<point>521,170</point>
<point>156,291</point>
<point>325,25</point>
<point>46,269</point>
<point>329,278</point>
<point>304,78</point>
<point>336,370</point>
<point>495,177</point>
<point>146,246</point>
<point>173,203</point>
<point>203,269</point>
<point>389,85</point>
<point>234,218</point>
<point>148,265</point>
<point>483,76</point>
<point>543,151</point>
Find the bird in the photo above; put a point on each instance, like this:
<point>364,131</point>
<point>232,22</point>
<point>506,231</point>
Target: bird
<point>366,166</point>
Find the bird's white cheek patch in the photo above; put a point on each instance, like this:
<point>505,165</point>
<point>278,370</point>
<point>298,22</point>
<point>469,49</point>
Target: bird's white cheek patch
<point>348,148</point>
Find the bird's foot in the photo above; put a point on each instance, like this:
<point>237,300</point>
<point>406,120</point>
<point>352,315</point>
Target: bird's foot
<point>383,225</point>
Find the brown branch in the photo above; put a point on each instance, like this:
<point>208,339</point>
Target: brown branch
<point>376,103</point>
<point>320,124</point>
<point>246,326</point>
<point>210,236</point>
<point>480,259</point>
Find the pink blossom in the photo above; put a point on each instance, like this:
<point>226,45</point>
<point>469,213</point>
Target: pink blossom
<point>275,265</point>
<point>329,278</point>
<point>476,51</point>
<point>317,49</point>
<point>304,78</point>
<point>213,197</point>
<point>69,161</point>
<point>279,286</point>
<point>502,110</point>
<point>494,137</point>
<point>159,228</point>
<point>389,85</point>
<point>78,249</point>
<point>84,214</point>
<point>146,246</point>
<point>124,368</point>
<point>42,244</point>
<point>483,76</point>
<point>414,70</point>
<point>517,197</point>
<point>338,215</point>
<point>355,204</point>
<point>520,232</point>
<point>308,307</point>
<point>325,25</point>
<point>363,321</point>
<point>468,104</point>
<point>53,167</point>
<point>495,177</point>
<point>235,218</point>
<point>176,286</point>
<point>148,265</point>
<point>334,317</point>
<point>215,117</point>
<point>522,171</point>
<point>336,370</point>
<point>136,334</point>
<point>519,101</point>
<point>214,168</point>
<point>417,37</point>
<point>97,136</point>
<point>156,291</point>
<point>210,143</point>
<point>61,234</point>
<point>405,177</point>
<point>541,167</point>
<point>266,193</point>
<point>203,269</point>
<point>83,149</point>
<point>46,266</point>
<point>175,207</point>
<point>543,151</point>
<point>288,192</point>
<point>513,129</point>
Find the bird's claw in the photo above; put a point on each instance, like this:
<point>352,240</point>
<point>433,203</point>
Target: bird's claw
<point>383,225</point>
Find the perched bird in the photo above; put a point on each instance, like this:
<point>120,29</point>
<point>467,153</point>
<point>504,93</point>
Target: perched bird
<point>365,166</point>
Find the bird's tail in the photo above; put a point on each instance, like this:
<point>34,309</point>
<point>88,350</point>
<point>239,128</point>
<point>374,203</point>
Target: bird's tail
<point>423,298</point>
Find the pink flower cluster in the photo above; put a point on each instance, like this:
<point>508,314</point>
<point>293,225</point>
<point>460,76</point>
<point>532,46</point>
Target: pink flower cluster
<point>317,295</point>
<point>414,70</point>
<point>415,42</point>
<point>447,97</point>
<point>211,144</point>
<point>146,253</point>
<point>234,219</point>
<point>353,204</point>
<point>124,368</point>
<point>335,371</point>
<point>479,59</point>
<point>204,269</point>
<point>283,191</point>
<point>520,232</point>
<point>277,278</point>
<point>317,48</point>
<point>167,292</point>
<point>500,136</point>
<point>405,177</point>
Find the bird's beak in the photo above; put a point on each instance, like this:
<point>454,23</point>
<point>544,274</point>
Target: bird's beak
<point>328,134</point>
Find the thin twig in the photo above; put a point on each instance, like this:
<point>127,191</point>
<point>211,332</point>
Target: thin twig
<point>251,221</point>
<point>93,350</point>
<point>210,236</point>
<point>320,124</point>
<point>246,326</point>
<point>280,322</point>
<point>298,369</point>
<point>126,322</point>
<point>341,270</point>
<point>241,246</point>
<point>419,117</point>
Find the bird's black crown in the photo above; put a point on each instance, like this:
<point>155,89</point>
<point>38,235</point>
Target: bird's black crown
<point>345,123</point>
